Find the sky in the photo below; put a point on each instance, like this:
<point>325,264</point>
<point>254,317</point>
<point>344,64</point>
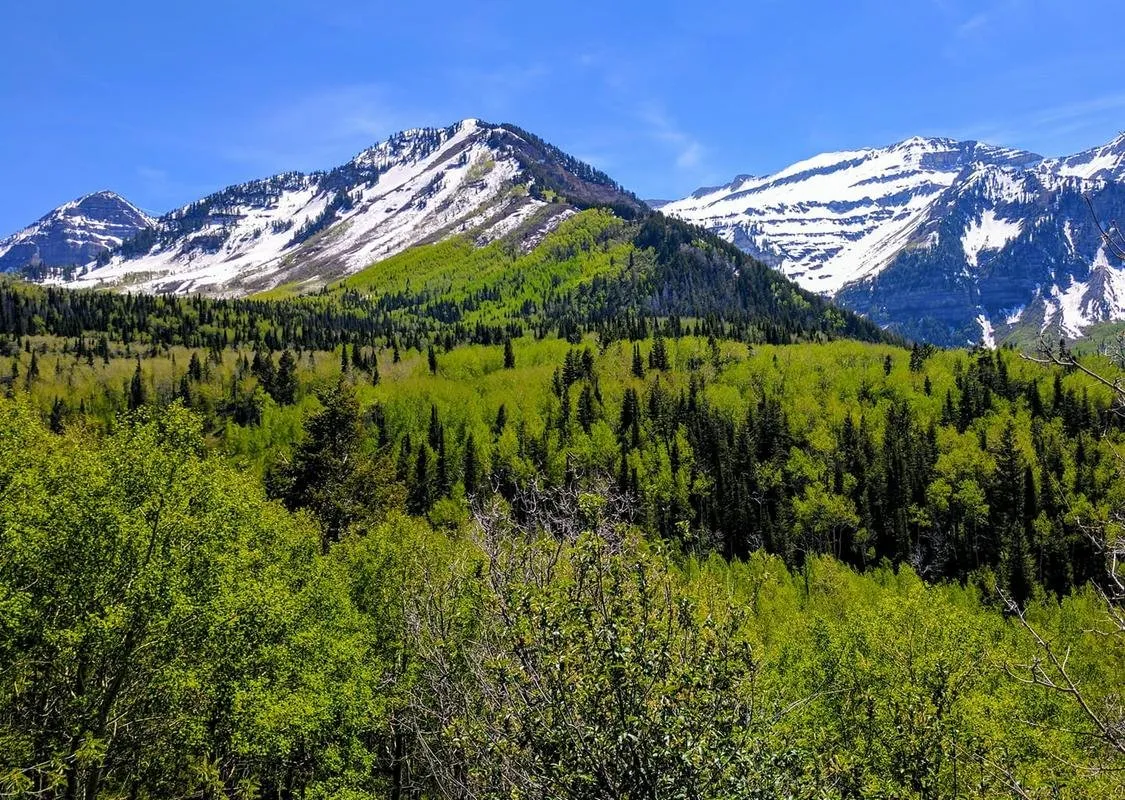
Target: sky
<point>167,102</point>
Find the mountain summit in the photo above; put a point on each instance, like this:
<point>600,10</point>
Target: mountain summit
<point>941,240</point>
<point>73,234</point>
<point>420,185</point>
<point>838,217</point>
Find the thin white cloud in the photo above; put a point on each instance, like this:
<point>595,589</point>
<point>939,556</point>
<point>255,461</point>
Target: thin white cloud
<point>972,25</point>
<point>318,129</point>
<point>1044,128</point>
<point>689,151</point>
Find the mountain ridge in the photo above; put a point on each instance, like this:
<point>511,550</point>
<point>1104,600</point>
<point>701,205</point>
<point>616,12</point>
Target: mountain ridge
<point>416,186</point>
<point>935,238</point>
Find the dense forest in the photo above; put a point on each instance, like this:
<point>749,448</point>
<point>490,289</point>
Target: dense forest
<point>583,521</point>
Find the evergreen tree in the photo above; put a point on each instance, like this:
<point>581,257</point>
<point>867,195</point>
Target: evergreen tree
<point>509,355</point>
<point>285,384</point>
<point>436,434</point>
<point>658,355</point>
<point>33,369</point>
<point>195,368</point>
<point>326,474</point>
<point>58,415</point>
<point>586,410</point>
<point>137,391</point>
<point>638,363</point>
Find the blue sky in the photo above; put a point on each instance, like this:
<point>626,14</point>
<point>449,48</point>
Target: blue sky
<point>167,102</point>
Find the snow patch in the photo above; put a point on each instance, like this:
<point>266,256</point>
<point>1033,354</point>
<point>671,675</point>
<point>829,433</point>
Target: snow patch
<point>987,335</point>
<point>988,233</point>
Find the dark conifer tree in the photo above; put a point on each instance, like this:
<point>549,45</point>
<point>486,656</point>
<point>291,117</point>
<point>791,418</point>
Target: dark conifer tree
<point>285,384</point>
<point>325,475</point>
<point>137,391</point>
<point>58,415</point>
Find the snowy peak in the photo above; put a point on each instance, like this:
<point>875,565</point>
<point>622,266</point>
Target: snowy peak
<point>949,241</point>
<point>471,178</point>
<point>74,233</point>
<point>838,217</point>
<point>1099,163</point>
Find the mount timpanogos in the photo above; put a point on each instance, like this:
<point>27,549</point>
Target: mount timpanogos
<point>940,240</point>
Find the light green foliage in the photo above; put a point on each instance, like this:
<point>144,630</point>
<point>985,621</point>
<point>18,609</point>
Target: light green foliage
<point>165,629</point>
<point>587,245</point>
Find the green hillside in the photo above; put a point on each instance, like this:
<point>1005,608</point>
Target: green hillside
<point>624,515</point>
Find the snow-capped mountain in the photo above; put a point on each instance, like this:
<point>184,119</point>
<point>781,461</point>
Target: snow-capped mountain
<point>74,233</point>
<point>472,178</point>
<point>948,241</point>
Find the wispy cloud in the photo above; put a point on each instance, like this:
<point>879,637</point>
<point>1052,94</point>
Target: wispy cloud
<point>688,151</point>
<point>972,25</point>
<point>1050,128</point>
<point>316,129</point>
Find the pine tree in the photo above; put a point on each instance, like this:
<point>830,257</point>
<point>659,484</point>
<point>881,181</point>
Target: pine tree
<point>509,355</point>
<point>658,356</point>
<point>638,363</point>
<point>195,368</point>
<point>436,434</point>
<point>444,475</point>
<point>586,411</point>
<point>33,369</point>
<point>325,474</point>
<point>58,415</point>
<point>917,360</point>
<point>137,392</point>
<point>285,383</point>
<point>431,357</point>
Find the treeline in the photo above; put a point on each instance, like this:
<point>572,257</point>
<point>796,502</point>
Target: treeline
<point>999,487</point>
<point>168,632</point>
<point>975,467</point>
<point>594,274</point>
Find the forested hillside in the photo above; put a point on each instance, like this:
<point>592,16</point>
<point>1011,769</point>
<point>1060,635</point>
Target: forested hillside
<point>624,515</point>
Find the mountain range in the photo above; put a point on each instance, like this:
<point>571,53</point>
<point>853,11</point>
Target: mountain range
<point>419,186</point>
<point>947,241</point>
<point>940,240</point>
